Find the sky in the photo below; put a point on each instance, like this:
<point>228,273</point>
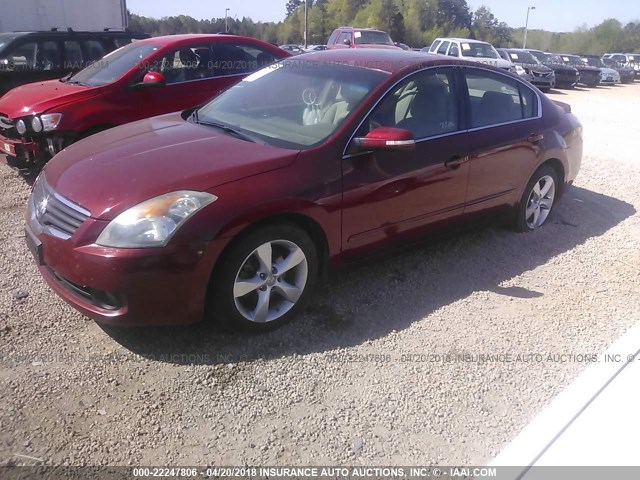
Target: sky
<point>552,15</point>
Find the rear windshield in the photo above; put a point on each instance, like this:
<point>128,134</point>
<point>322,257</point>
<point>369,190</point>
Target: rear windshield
<point>373,38</point>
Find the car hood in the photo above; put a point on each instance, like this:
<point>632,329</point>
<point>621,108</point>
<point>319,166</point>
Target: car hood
<point>560,67</point>
<point>114,170</point>
<point>536,68</point>
<point>494,62</point>
<point>587,68</point>
<point>608,71</point>
<point>41,97</point>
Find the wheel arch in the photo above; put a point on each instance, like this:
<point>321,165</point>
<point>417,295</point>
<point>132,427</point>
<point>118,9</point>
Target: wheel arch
<point>558,166</point>
<point>307,224</point>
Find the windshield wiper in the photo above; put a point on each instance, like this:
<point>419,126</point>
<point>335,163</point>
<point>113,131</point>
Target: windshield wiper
<point>66,78</point>
<point>231,130</point>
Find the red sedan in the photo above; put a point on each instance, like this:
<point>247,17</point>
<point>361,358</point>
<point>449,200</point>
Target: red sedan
<point>235,209</point>
<point>146,78</point>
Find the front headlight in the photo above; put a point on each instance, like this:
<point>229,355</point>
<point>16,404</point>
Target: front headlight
<point>50,121</point>
<point>36,124</point>
<point>153,223</point>
<point>21,127</point>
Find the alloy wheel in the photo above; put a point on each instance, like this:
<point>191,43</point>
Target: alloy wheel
<point>270,281</point>
<point>540,202</point>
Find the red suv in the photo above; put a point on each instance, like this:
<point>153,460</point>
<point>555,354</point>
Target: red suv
<point>350,37</point>
<point>143,79</point>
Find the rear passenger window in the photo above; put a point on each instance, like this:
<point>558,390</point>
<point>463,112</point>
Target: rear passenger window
<point>73,59</point>
<point>237,59</point>
<point>495,99</point>
<point>94,49</point>
<point>49,56</point>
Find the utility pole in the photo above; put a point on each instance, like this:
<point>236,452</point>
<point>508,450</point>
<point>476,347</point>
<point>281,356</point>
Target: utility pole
<point>226,20</point>
<point>526,26</point>
<point>305,23</point>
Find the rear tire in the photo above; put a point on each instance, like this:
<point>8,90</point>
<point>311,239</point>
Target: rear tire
<point>538,200</point>
<point>264,280</point>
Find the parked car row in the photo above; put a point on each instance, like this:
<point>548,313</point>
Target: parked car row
<point>267,176</point>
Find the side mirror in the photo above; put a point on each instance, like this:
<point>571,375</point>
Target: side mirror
<point>152,79</point>
<point>386,138</point>
<point>347,42</point>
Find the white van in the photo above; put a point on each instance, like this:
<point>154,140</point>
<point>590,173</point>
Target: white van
<point>472,50</point>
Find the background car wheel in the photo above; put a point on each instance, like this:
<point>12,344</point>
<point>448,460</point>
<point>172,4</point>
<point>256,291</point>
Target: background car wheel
<point>265,279</point>
<point>537,200</point>
<point>545,89</point>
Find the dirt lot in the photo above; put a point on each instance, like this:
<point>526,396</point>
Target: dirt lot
<point>73,393</point>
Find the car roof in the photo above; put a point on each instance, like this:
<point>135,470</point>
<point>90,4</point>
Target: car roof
<point>458,39</point>
<point>390,61</point>
<point>185,38</point>
<point>360,29</point>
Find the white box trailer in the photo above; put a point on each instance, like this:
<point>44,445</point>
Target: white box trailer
<point>38,15</point>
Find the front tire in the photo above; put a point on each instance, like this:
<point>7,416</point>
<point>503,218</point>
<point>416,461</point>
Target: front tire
<point>265,279</point>
<point>538,200</point>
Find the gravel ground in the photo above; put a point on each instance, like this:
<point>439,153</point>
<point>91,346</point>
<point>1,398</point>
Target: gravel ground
<point>357,380</point>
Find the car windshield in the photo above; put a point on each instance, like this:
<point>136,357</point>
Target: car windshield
<point>571,59</point>
<point>293,104</point>
<point>114,65</point>
<point>483,50</point>
<point>5,38</point>
<point>593,62</point>
<point>522,57</point>
<point>542,57</point>
<point>611,63</point>
<point>554,58</point>
<point>373,38</point>
<point>634,58</point>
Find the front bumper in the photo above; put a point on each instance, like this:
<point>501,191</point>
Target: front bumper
<point>609,79</point>
<point>26,152</point>
<point>566,78</point>
<point>543,81</point>
<point>18,148</point>
<point>124,287</point>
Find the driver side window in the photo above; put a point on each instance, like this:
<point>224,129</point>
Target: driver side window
<point>426,104</point>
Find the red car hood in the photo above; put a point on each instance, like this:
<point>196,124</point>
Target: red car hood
<point>119,168</point>
<point>41,97</point>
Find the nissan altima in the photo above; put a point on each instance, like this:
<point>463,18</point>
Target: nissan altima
<point>234,210</point>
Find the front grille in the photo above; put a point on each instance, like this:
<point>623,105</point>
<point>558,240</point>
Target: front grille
<point>542,74</point>
<point>59,215</point>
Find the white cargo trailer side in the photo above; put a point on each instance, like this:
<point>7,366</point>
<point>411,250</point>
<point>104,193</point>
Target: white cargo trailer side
<point>34,15</point>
